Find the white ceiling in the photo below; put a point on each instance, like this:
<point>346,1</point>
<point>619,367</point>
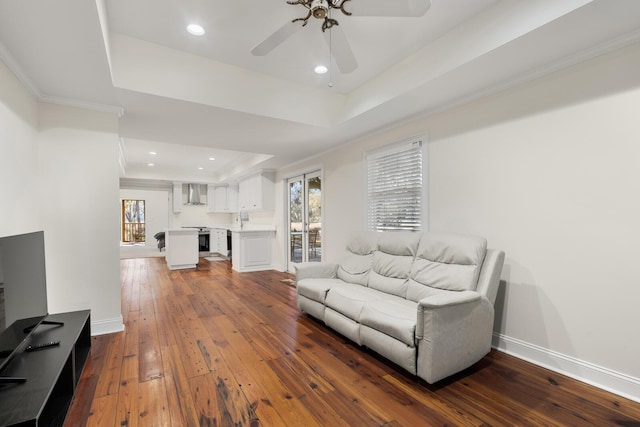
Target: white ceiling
<point>188,98</point>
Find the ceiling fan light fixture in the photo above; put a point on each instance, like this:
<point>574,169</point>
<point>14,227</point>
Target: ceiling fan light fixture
<point>319,8</point>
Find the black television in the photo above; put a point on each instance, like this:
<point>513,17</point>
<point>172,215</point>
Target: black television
<point>23,292</point>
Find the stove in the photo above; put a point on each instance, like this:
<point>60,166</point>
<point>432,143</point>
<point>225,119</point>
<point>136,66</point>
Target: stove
<point>201,229</point>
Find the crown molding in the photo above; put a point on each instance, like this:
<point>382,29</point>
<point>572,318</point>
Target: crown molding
<point>139,184</point>
<point>533,74</point>
<point>17,71</point>
<point>118,111</point>
<point>13,66</point>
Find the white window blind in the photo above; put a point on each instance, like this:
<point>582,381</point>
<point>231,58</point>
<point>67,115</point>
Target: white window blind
<point>395,187</point>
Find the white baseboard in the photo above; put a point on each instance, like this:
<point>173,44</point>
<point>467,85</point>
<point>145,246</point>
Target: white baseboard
<point>254,269</point>
<point>606,379</point>
<point>107,326</point>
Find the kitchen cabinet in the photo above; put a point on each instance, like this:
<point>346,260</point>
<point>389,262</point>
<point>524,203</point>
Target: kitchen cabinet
<point>177,197</point>
<point>218,241</point>
<point>257,192</point>
<point>252,250</point>
<point>181,248</point>
<point>222,198</point>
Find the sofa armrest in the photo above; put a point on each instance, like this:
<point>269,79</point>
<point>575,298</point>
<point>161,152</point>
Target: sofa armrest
<point>489,279</point>
<point>315,270</point>
<point>443,305</point>
<point>452,332</point>
<point>450,298</point>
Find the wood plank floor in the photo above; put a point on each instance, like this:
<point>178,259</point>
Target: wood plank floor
<point>212,347</point>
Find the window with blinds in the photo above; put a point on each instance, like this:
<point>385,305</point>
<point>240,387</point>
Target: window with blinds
<point>395,193</point>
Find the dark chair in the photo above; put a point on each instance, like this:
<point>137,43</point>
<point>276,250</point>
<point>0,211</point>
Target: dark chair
<point>159,236</point>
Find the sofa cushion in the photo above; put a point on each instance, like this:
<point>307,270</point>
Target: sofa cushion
<point>391,348</point>
<point>392,316</point>
<point>403,243</point>
<point>388,265</point>
<point>363,243</point>
<point>392,262</point>
<point>349,299</point>
<point>355,268</point>
<point>357,260</point>
<point>316,289</point>
<point>446,261</point>
<point>417,291</point>
<point>388,285</point>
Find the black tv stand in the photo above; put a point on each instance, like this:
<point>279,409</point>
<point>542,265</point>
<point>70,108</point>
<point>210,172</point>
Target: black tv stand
<point>38,386</point>
<point>43,322</point>
<point>11,380</point>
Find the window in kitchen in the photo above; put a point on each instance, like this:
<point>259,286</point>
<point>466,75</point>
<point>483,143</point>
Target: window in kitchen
<point>397,187</point>
<point>133,224</point>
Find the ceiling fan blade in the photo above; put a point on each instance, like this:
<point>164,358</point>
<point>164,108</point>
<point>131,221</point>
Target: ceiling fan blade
<point>408,8</point>
<point>341,49</point>
<point>276,39</point>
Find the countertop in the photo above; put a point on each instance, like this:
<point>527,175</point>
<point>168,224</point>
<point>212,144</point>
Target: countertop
<point>253,228</point>
<point>232,227</point>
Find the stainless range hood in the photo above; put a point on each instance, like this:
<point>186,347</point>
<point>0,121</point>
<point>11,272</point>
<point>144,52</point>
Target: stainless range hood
<point>193,194</point>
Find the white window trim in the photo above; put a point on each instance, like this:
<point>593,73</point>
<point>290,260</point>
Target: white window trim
<point>391,148</point>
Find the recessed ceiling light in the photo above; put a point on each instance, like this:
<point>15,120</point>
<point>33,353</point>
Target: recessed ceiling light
<point>320,69</point>
<point>153,153</point>
<point>150,164</point>
<point>195,29</point>
<point>212,158</point>
<point>200,168</point>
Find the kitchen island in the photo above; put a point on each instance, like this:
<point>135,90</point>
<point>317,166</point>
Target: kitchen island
<point>181,246</point>
<point>253,248</point>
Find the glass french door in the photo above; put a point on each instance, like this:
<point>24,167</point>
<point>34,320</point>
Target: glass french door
<point>305,218</point>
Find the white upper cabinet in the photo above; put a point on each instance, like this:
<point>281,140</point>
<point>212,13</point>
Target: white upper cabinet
<point>257,192</point>
<point>222,198</point>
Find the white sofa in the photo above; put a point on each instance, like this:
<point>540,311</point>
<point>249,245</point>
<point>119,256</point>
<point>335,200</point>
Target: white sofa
<point>422,300</point>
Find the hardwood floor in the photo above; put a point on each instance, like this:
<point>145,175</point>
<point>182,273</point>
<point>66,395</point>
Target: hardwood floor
<point>212,347</point>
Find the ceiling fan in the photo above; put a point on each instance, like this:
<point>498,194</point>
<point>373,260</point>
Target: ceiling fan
<point>335,37</point>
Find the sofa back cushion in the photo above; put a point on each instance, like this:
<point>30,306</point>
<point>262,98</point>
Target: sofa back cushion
<point>446,261</point>
<point>356,263</point>
<point>392,262</point>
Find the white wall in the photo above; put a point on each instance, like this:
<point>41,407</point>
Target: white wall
<point>549,172</point>
<point>197,215</point>
<point>79,194</point>
<point>18,157</point>
<point>156,206</point>
<point>46,151</point>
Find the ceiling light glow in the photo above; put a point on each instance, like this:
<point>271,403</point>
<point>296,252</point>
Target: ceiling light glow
<point>195,29</point>
<point>320,69</point>
<point>150,164</point>
<point>212,158</point>
<point>153,153</point>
